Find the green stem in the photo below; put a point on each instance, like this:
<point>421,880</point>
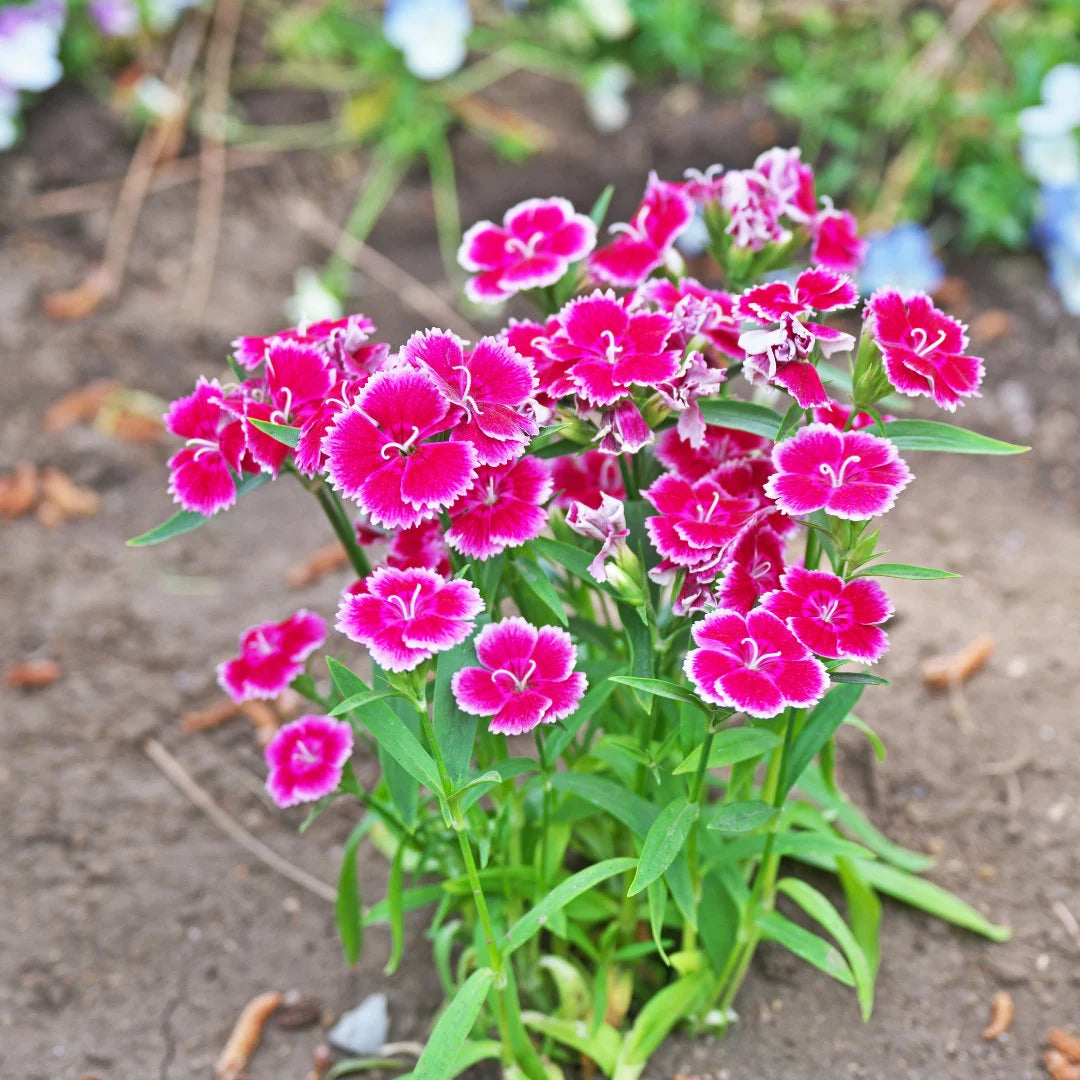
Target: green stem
<point>445,199</point>
<point>341,525</point>
<point>627,477</point>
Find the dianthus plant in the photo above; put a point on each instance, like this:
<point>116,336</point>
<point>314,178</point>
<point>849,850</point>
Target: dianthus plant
<point>618,585</point>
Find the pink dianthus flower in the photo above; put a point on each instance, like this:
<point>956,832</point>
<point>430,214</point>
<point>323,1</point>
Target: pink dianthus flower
<point>306,759</point>
<point>272,654</point>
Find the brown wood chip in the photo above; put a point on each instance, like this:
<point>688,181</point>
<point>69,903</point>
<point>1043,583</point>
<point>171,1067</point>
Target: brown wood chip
<point>1001,1015</point>
<point>942,672</point>
<point>32,674</point>
<point>991,325</point>
<point>210,717</point>
<point>1062,1041</point>
<point>246,1035</point>
<point>1059,1066</point>
<point>19,490</point>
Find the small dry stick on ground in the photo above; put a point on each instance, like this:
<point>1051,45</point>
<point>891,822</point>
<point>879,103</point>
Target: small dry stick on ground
<point>32,674</point>
<point>263,719</point>
<point>943,672</point>
<point>233,829</point>
<point>319,562</point>
<point>1068,920</point>
<point>322,1057</point>
<point>1064,1043</point>
<point>1001,1015</point>
<point>211,717</point>
<point>19,490</point>
<point>1059,1066</point>
<point>246,1035</point>
<point>78,407</point>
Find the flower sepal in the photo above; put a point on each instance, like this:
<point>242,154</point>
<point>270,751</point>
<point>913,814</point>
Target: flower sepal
<point>869,382</point>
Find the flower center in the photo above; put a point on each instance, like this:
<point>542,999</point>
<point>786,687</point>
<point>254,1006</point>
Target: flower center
<point>826,611</point>
<point>837,478</point>
<point>612,349</point>
<point>757,658</point>
<point>706,515</point>
<point>490,495</point>
<point>525,248</point>
<point>281,415</point>
<point>205,446</point>
<point>760,570</point>
<point>403,448</point>
<point>408,611</point>
<point>302,752</point>
<point>634,229</point>
<point>467,400</point>
<point>522,683</point>
<point>924,345</point>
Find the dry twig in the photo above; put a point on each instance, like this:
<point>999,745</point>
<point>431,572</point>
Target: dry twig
<point>1002,1011</point>
<point>316,564</point>
<point>1068,920</point>
<point>232,828</point>
<point>1064,1043</point>
<point>246,1035</point>
<point>32,674</point>
<point>211,717</point>
<point>263,720</point>
<point>943,672</point>
<point>219,56</point>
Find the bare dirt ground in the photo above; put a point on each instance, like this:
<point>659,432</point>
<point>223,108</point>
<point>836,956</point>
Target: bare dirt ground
<point>132,930</point>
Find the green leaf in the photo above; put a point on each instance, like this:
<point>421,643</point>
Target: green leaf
<point>570,558</point>
<point>902,570</point>
<point>657,897</point>
<point>805,945</point>
<point>658,1016</point>
<point>855,822</point>
<point>455,730</point>
<point>613,798</point>
<point>358,701</point>
<point>448,1037</point>
<point>821,910</point>
<point>574,997</point>
<point>487,576</point>
<point>290,436</point>
<point>347,909</point>
<point>719,919</point>
<point>388,730</point>
<point>663,688</point>
<point>540,585</point>
<point>395,904</point>
<point>533,920</point>
<point>411,900</point>
<point>185,521</point>
<point>732,745</point>
<point>864,912</point>
<point>601,1044</point>
<point>600,207</point>
<point>741,416</point>
<point>917,892</point>
<point>820,726</point>
<point>934,435</point>
<point>545,439</point>
<point>601,687</point>
<point>742,816</point>
<point>664,840</point>
<point>857,678</point>
<point>869,732</point>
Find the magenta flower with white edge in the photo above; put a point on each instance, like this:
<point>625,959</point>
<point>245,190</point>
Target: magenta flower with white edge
<point>608,349</point>
<point>839,416</point>
<point>586,478</point>
<point>720,445</point>
<point>423,545</point>
<point>527,678</point>
<point>642,244</point>
<point>306,759</point>
<point>201,475</point>
<point>698,311</point>
<point>831,617</point>
<point>923,349</point>
<point>272,654</point>
<point>405,617</point>
<point>754,569</point>
<point>849,474</point>
<point>250,352</point>
<point>379,450</point>
<point>816,289</point>
<point>533,248</point>
<point>781,356</point>
<point>696,523</point>
<point>753,663</point>
<point>308,456</point>
<point>696,380</point>
<point>836,241</point>
<point>752,210</point>
<point>491,382</point>
<point>621,429</point>
<point>606,523</point>
<point>503,509</point>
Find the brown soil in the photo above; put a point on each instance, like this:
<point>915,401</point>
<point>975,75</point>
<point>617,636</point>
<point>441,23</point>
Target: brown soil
<point>132,931</point>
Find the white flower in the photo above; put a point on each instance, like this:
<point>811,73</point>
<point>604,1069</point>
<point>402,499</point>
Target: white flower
<point>431,34</point>
<point>311,300</point>
<point>28,53</point>
<point>605,97</point>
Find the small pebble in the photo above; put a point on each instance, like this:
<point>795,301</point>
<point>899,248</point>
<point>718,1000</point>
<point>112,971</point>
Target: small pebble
<point>363,1030</point>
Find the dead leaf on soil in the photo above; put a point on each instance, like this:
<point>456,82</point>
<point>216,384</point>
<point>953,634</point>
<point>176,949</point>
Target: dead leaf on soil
<point>211,717</point>
<point>32,674</point>
<point>263,720</point>
<point>70,305</point>
<point>1002,1010</point>
<point>1059,1066</point>
<point>1064,1043</point>
<point>991,325</point>
<point>62,498</point>
<point>315,565</point>
<point>943,672</point>
<point>19,490</point>
<point>246,1035</point>
<point>298,1010</point>
<point>79,407</point>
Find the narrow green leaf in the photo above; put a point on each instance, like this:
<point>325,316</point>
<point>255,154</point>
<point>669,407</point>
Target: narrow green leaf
<point>570,558</point>
<point>719,919</point>
<point>732,745</point>
<point>902,570</point>
<point>389,732</point>
<point>664,840</point>
<point>805,945</point>
<point>545,439</point>
<point>358,701</point>
<point>663,688</point>
<point>411,900</point>
<point>934,435</point>
<point>487,576</point>
<point>540,585</point>
<point>742,817</point>
<point>858,825</point>
<point>533,920</point>
<point>448,1037</point>
<point>395,904</point>
<point>290,436</point>
<point>658,1016</point>
<point>574,996</point>
<point>601,1044</point>
<point>347,909</point>
<point>857,678</point>
<point>601,687</point>
<point>864,911</point>
<point>820,726</point>
<point>455,730</point>
<point>741,416</point>
<point>185,521</point>
<point>869,732</point>
<point>657,897</point>
<point>821,910</point>
<point>610,797</point>
<point>600,207</point>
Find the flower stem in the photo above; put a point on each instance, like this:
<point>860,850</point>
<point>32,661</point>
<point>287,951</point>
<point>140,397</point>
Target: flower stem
<point>335,513</point>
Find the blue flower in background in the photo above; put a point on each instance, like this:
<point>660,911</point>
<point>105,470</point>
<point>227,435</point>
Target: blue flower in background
<point>902,258</point>
<point>1057,232</point>
<point>431,34</point>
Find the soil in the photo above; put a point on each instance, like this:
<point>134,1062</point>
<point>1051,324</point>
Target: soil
<point>132,931</point>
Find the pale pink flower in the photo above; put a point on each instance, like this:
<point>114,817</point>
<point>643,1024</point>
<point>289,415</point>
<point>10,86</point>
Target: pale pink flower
<point>606,523</point>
